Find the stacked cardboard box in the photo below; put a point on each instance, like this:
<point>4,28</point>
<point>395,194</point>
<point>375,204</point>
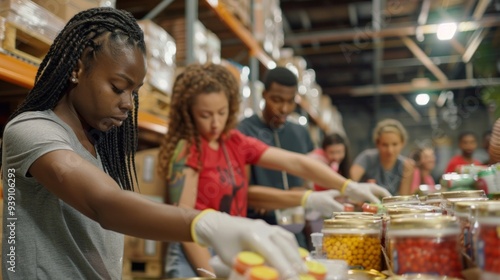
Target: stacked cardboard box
<point>161,51</point>
<point>207,46</point>
<point>66,9</point>
<point>268,26</point>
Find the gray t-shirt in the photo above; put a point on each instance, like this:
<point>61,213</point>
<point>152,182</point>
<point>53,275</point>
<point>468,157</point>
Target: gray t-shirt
<point>43,237</point>
<point>389,179</point>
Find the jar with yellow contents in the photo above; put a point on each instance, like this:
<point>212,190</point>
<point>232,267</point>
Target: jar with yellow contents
<point>356,241</point>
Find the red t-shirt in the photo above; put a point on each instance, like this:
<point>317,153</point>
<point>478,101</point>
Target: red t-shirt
<point>458,160</point>
<point>216,189</point>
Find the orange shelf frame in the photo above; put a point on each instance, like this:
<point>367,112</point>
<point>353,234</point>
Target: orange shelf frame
<point>17,72</point>
<point>241,31</point>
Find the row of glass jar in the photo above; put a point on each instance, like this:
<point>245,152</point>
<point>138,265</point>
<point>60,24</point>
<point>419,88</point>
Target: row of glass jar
<point>422,237</point>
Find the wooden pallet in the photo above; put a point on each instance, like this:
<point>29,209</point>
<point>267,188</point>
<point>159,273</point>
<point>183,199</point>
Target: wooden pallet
<point>25,43</point>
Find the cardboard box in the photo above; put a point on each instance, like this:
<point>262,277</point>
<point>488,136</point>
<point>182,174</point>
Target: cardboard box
<point>66,9</point>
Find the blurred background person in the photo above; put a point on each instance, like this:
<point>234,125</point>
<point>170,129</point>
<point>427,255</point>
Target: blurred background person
<point>425,161</point>
<point>385,165</point>
<point>467,144</point>
<point>334,152</point>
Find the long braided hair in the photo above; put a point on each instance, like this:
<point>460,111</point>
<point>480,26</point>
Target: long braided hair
<point>193,81</point>
<point>86,34</point>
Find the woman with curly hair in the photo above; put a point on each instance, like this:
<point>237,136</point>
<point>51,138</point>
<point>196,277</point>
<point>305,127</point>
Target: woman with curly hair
<point>203,159</point>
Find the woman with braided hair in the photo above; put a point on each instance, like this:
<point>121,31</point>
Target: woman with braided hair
<point>68,166</point>
<point>203,159</point>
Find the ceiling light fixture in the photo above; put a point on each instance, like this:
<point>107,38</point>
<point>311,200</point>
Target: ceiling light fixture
<point>446,31</point>
<point>422,99</point>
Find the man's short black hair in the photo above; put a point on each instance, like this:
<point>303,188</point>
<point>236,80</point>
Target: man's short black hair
<point>280,75</point>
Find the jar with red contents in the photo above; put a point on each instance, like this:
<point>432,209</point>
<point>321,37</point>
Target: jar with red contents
<point>487,240</point>
<point>429,246</point>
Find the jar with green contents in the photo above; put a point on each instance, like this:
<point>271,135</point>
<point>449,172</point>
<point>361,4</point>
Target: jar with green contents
<point>356,241</point>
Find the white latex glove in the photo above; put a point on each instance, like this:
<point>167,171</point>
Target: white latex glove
<point>365,191</point>
<point>230,235</point>
<point>323,202</point>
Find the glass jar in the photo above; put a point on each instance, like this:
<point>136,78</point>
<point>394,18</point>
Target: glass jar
<point>487,239</point>
<point>429,246</point>
<point>463,210</point>
<point>356,241</point>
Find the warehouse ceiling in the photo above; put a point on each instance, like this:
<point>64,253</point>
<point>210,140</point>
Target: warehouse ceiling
<point>372,48</point>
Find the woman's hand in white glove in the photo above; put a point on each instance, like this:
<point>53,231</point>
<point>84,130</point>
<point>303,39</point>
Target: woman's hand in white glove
<point>365,192</point>
<point>230,235</point>
<point>323,202</point>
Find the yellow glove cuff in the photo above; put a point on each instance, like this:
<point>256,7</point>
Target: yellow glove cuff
<point>195,221</point>
<point>304,198</point>
<point>344,186</point>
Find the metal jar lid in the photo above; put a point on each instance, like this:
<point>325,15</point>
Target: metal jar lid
<point>465,207</point>
<point>400,199</point>
<point>434,197</point>
<point>441,222</point>
<point>351,214</point>
<point>353,223</point>
<point>391,211</point>
<point>463,194</point>
<point>489,209</point>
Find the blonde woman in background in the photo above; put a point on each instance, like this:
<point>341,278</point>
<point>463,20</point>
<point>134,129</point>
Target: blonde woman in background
<point>385,164</point>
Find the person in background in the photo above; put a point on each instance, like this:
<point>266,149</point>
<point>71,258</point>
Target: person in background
<point>334,152</point>
<point>68,167</point>
<point>385,165</point>
<point>272,127</point>
<point>482,153</point>
<point>467,144</point>
<point>203,159</point>
<point>425,161</point>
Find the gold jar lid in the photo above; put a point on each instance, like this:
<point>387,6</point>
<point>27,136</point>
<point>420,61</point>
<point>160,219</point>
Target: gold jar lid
<point>463,194</point>
<point>450,203</point>
<point>441,222</point>
<point>434,197</point>
<point>363,217</point>
<point>353,223</point>
<point>489,209</point>
<point>464,207</point>
<point>400,199</point>
<point>351,214</point>
<point>406,210</point>
<point>426,215</point>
